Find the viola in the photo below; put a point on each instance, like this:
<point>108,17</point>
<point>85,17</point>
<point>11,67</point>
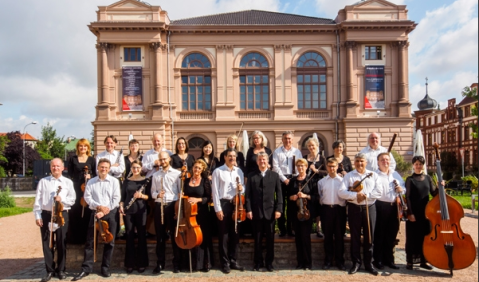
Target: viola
<point>358,184</point>
<point>401,204</point>
<point>240,213</point>
<point>447,246</point>
<point>82,201</point>
<point>57,216</point>
<point>188,232</point>
<point>303,212</point>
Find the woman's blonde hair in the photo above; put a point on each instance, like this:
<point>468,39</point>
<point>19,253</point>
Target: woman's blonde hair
<point>83,141</point>
<point>301,161</point>
<point>264,142</point>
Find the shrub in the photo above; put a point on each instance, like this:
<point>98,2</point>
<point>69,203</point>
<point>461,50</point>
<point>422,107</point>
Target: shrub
<point>6,198</point>
<point>473,179</point>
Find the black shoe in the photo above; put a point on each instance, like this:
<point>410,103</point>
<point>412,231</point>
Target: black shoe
<point>299,267</point>
<point>354,268</point>
<point>80,276</point>
<point>256,267</point>
<point>378,265</point>
<point>205,269</point>
<point>236,266</point>
<point>372,270</point>
<point>270,268</point>
<point>282,233</point>
<point>61,275</point>
<point>129,270</point>
<point>105,273</point>
<point>226,270</point>
<point>409,266</point>
<point>157,269</point>
<point>341,266</point>
<point>392,265</point>
<point>47,277</point>
<point>425,266</point>
<point>320,234</point>
<point>176,270</point>
<point>326,266</point>
<point>141,270</point>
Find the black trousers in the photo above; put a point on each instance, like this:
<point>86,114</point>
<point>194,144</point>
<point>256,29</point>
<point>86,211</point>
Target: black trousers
<point>112,219</point>
<point>162,235</point>
<point>228,239</point>
<point>303,241</point>
<point>59,236</point>
<point>263,227</point>
<point>357,218</point>
<point>387,227</point>
<point>137,220</point>
<point>333,219</point>
<point>285,223</point>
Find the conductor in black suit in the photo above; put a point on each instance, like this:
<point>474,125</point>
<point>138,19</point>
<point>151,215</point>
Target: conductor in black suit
<point>264,203</point>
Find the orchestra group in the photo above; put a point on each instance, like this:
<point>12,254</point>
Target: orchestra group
<point>187,201</point>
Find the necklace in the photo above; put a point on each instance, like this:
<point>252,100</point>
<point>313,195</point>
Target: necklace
<point>193,180</point>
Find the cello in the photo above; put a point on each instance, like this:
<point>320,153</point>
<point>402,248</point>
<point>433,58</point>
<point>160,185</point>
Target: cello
<point>447,246</point>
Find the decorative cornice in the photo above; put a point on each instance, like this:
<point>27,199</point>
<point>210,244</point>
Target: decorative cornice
<point>350,44</point>
<point>104,46</point>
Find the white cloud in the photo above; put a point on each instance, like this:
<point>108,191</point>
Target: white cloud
<point>332,7</point>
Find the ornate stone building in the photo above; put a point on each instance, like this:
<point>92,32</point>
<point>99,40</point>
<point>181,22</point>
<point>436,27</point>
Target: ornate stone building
<point>203,78</point>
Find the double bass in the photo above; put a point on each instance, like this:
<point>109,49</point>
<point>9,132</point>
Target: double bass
<point>447,246</point>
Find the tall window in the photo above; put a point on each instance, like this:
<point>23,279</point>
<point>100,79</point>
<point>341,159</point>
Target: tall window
<point>466,132</point>
<point>196,83</point>
<point>132,54</point>
<point>373,52</point>
<point>467,157</point>
<point>254,82</point>
<point>311,81</point>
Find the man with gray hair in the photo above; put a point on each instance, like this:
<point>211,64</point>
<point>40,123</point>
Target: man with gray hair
<point>372,151</point>
<point>150,161</point>
<point>284,164</point>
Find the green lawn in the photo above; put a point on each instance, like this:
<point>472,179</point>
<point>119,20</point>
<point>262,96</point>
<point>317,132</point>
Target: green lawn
<point>465,200</point>
<point>13,211</point>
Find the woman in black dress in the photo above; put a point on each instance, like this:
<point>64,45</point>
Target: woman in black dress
<point>232,142</point>
<point>302,228</point>
<point>208,156</point>
<point>344,163</point>
<point>181,156</point>
<point>257,144</point>
<point>317,170</point>
<point>198,189</point>
<point>134,147</point>
<point>135,217</point>
<point>418,188</point>
<point>79,215</point>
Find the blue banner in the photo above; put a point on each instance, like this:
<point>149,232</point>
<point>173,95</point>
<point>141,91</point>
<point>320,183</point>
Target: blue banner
<point>374,97</point>
<point>132,83</point>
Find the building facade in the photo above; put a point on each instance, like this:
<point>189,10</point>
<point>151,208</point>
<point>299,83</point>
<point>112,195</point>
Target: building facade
<point>450,129</point>
<point>206,77</point>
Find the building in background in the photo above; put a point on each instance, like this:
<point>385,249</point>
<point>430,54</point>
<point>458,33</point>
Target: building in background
<point>29,140</point>
<point>203,78</point>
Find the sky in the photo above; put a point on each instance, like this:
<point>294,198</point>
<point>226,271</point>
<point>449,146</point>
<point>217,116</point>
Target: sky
<point>48,55</point>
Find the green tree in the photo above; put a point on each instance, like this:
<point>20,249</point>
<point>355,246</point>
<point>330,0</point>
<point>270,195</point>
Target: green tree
<point>472,93</point>
<point>402,167</point>
<point>3,144</point>
<point>50,146</point>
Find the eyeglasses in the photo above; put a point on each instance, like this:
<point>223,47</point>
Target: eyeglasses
<point>135,167</point>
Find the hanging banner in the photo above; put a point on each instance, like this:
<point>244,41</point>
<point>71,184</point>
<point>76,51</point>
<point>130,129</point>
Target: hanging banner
<point>374,87</point>
<point>132,89</point>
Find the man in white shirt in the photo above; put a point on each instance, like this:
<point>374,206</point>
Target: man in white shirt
<point>102,194</point>
<point>165,188</point>
<point>227,179</point>
<point>283,163</point>
<point>387,222</point>
<point>45,197</point>
<point>150,160</point>
<point>361,212</point>
<point>116,158</point>
<point>373,149</point>
<point>333,214</point>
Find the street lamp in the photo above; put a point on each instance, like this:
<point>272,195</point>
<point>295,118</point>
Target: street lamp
<point>33,122</point>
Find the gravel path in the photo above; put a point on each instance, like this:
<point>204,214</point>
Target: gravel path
<point>21,260</point>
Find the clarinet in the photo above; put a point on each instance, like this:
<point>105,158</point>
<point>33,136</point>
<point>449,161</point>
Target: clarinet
<point>118,160</point>
<point>142,188</point>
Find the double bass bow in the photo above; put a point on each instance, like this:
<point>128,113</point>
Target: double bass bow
<point>447,246</point>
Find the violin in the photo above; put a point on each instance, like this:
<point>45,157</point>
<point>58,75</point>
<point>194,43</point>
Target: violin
<point>447,246</point>
<point>187,228</point>
<point>358,184</point>
<point>240,213</point>
<point>57,216</point>
<point>82,201</point>
<point>303,212</point>
<point>401,204</point>
<point>105,235</point>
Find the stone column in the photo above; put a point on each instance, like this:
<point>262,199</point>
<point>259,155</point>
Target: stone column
<point>157,48</point>
<point>351,103</point>
<point>402,61</point>
<point>104,72</point>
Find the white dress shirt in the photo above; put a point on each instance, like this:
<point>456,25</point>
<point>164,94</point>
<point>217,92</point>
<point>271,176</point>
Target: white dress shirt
<point>103,192</point>
<point>171,184</point>
<point>115,171</point>
<point>328,190</point>
<point>387,186</point>
<point>47,189</point>
<point>283,161</point>
<point>224,184</point>
<point>372,157</point>
<point>149,159</point>
<point>370,187</point>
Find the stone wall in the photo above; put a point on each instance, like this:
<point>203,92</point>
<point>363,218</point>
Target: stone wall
<point>17,183</point>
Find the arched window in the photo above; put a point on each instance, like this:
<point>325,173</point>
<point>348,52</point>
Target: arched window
<point>194,146</point>
<point>311,83</point>
<point>196,83</point>
<point>254,82</point>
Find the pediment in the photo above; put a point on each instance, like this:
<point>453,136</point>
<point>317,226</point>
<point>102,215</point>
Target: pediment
<point>376,4</point>
<point>128,5</point>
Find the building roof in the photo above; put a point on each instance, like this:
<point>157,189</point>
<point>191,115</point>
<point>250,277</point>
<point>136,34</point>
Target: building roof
<point>467,100</point>
<point>72,145</point>
<point>26,136</point>
<point>253,17</point>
